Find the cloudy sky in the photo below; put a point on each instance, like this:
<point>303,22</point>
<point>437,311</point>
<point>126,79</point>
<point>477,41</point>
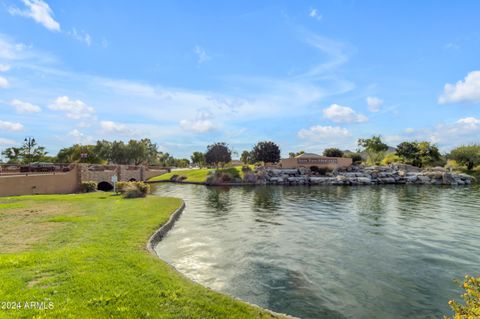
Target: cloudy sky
<point>305,74</point>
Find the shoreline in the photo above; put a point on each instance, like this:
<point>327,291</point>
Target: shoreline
<point>158,236</point>
<point>400,174</point>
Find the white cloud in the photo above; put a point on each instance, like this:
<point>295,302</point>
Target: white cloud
<point>201,124</point>
<point>467,90</point>
<point>202,55</point>
<point>446,135</point>
<point>374,103</point>
<point>115,128</point>
<point>10,126</point>
<point>315,15</point>
<point>4,67</point>
<point>319,132</point>
<point>11,50</point>
<point>343,114</point>
<point>80,137</point>
<point>469,121</point>
<point>3,83</point>
<point>25,107</point>
<point>74,109</point>
<point>463,131</point>
<point>39,11</point>
<point>81,36</point>
<point>452,46</point>
<point>6,141</point>
<point>335,51</point>
<point>409,130</point>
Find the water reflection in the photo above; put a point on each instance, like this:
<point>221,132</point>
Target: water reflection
<point>218,198</point>
<point>329,252</point>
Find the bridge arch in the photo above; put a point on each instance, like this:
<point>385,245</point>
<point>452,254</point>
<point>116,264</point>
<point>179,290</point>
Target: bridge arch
<point>104,186</point>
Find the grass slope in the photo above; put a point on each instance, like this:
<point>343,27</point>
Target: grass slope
<point>86,254</point>
<point>197,175</point>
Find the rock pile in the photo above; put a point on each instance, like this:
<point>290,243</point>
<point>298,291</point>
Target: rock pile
<point>360,175</point>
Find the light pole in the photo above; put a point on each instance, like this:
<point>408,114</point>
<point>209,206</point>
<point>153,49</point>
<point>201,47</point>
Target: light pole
<point>29,144</point>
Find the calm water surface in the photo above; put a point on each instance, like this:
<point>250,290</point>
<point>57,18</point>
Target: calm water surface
<point>329,252</point>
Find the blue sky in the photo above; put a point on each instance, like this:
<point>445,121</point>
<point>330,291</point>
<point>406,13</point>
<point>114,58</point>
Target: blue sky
<point>305,74</point>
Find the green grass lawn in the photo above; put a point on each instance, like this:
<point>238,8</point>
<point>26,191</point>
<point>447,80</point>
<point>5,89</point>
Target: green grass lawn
<point>197,175</point>
<point>86,254</point>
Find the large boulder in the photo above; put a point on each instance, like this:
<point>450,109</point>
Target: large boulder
<point>386,180</point>
<point>364,180</point>
<point>422,179</point>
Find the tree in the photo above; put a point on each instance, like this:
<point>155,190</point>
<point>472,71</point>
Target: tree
<point>181,162</point>
<point>165,159</point>
<point>428,153</point>
<point>198,158</point>
<point>32,152</point>
<point>333,152</point>
<point>135,152</point>
<point>246,157</point>
<point>468,155</point>
<point>374,147</point>
<point>408,152</point>
<point>356,157</point>
<point>28,153</point>
<point>78,154</point>
<point>13,155</point>
<point>266,151</point>
<point>418,153</point>
<point>292,154</point>
<point>218,153</point>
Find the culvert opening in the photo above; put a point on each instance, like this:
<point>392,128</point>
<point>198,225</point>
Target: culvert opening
<point>105,186</point>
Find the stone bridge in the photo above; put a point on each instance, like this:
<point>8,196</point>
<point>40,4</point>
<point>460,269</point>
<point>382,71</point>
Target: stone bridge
<point>102,174</point>
<point>66,178</point>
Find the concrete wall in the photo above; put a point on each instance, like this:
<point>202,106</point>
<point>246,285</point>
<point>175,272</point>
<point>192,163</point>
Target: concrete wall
<point>97,175</point>
<point>321,162</point>
<point>69,182</point>
<point>58,183</point>
<point>149,173</point>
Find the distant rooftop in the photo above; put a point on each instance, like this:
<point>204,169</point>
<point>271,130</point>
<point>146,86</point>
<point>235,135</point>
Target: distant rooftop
<point>310,155</point>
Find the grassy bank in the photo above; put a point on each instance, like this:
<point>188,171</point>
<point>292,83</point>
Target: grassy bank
<point>197,175</point>
<point>86,254</point>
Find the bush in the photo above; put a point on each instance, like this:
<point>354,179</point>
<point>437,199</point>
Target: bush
<point>88,186</point>
<point>133,189</point>
<point>120,186</point>
<point>471,297</point>
<point>332,152</point>
<point>356,157</point>
<point>468,155</point>
<point>319,170</point>
<point>391,158</point>
<point>223,176</point>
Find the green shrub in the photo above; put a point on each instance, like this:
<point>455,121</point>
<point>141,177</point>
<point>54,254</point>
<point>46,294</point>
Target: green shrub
<point>120,186</point>
<point>471,297</point>
<point>133,189</point>
<point>88,186</point>
<point>391,158</point>
<point>356,157</point>
<point>223,176</point>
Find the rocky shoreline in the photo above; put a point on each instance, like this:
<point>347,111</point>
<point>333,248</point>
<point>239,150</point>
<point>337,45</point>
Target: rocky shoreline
<point>362,175</point>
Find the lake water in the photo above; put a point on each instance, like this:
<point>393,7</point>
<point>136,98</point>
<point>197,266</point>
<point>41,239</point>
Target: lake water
<point>329,252</point>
